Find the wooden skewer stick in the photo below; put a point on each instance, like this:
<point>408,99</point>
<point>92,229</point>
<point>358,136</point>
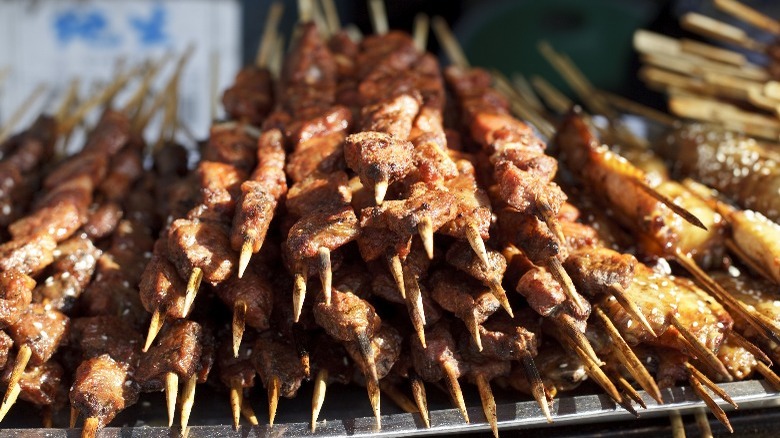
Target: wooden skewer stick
<point>12,393</point>
<point>749,15</point>
<point>711,385</point>
<point>193,285</point>
<point>718,30</point>
<point>74,417</point>
<point>396,269</point>
<point>188,400</point>
<point>133,105</point>
<point>374,396</point>
<point>676,209</point>
<point>236,399</point>
<point>488,402</point>
<point>274,386</point>
<point>454,387</point>
<point>249,413</point>
<point>46,417</point>
<point>238,324</point>
<point>678,428</point>
<point>378,16</point>
<point>698,388</point>
<point>449,42</point>
<point>571,333</point>
<point>171,394</point>
<point>326,273</point>
<point>629,390</point>
<point>331,16</point>
<point>90,427</point>
<point>318,17</point>
<point>269,31</point>
<point>422,25</point>
<point>305,11</point>
<point>398,397</point>
<point>71,95</point>
<point>769,375</point>
<point>562,277</point>
<point>766,329</point>
<point>628,358</point>
<point>420,398</point>
<point>704,354</point>
<point>554,98</point>
<point>170,88</point>
<point>633,107</point>
<point>158,319</point>
<point>415,305</point>
<point>425,229</point>
<point>750,347</point>
<point>318,398</point>
<point>477,244</point>
<point>245,256</point>
<point>594,371</point>
<point>367,351</point>
<point>17,115</point>
<point>299,290</point>
<point>520,107</point>
<point>704,425</point>
<point>380,191</point>
<point>526,91</point>
<point>494,284</point>
<point>617,291</point>
<point>473,327</point>
<point>537,385</point>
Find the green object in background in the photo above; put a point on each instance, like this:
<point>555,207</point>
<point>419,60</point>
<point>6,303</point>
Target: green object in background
<point>596,34</point>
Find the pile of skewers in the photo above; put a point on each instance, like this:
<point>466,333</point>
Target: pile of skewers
<point>367,217</point>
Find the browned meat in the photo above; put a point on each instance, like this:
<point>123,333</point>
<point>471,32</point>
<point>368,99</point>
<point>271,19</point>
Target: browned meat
<point>328,229</point>
<point>374,241</point>
<point>522,189</point>
<point>126,167</point>
<point>671,367</point>
<point>347,317</point>
<point>317,155</point>
<point>71,272</point>
<point>505,338</point>
<point>103,221</point>
<point>251,96</point>
<point>42,385</point>
<point>254,212</point>
<point>42,329</point>
<point>102,387</point>
<point>487,368</point>
<point>393,116</point>
<point>431,159</point>
<point>383,286</point>
<point>386,346</point>
<point>111,293</point>
<point>208,354</point>
<point>203,244</point>
<point>32,145</point>
<point>461,295</point>
<point>28,256</point>
<point>317,193</point>
<point>14,188</point>
<point>595,270</point>
<point>273,357</point>
<point>161,288</point>
<point>15,295</point>
<point>441,351</point>
<point>461,256</point>
<point>377,157</point>
<point>111,133</point>
<point>220,186</point>
<point>254,290</point>
<point>473,203</point>
<point>177,350</point>
<point>236,370</point>
<point>330,355</point>
<point>544,294</point>
<point>270,163</point>
<point>109,335</point>
<point>170,161</point>
<point>530,234</point>
<point>6,343</point>
<point>93,165</point>
<point>233,145</point>
<point>60,213</point>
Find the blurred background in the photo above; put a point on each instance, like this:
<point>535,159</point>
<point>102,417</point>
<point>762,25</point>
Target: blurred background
<point>53,42</point>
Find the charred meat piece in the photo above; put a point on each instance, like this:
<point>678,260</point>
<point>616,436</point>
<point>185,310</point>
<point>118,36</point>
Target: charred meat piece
<point>317,193</point>
<point>102,387</point>
<point>220,186</point>
<point>468,300</point>
<point>232,144</point>
<point>236,370</point>
<point>204,244</point>
<point>28,256</point>
<point>254,211</point>
<point>71,272</point>
<point>530,234</point>
<point>505,338</point>
<point>161,288</point>
<point>274,358</point>
<point>328,229</point>
<point>328,354</point>
<point>386,347</point>
<point>383,286</point>
<point>545,295</point>
<point>109,335</point>
<point>15,295</point>
<point>43,384</point>
<point>112,293</point>
<point>102,222</point>
<point>60,213</point>
<point>523,190</point>
<point>392,116</point>
<point>441,352</point>
<point>255,291</point>
<point>473,203</point>
<point>251,96</point>
<point>461,256</point>
<point>347,317</point>
<point>377,157</point>
<point>595,270</point>
<point>178,350</point>
<point>42,329</point>
<point>322,154</point>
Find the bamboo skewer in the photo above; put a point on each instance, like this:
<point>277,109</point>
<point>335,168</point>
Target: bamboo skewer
<point>378,16</point>
<point>422,25</point>
<point>749,15</point>
<point>718,30</point>
<point>17,115</point>
<point>555,100</point>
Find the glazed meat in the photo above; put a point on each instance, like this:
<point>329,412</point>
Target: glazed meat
<point>465,298</point>
<point>42,385</point>
<point>28,256</point>
<point>43,329</point>
<point>15,295</point>
<point>347,317</point>
<point>595,270</point>
<point>71,272</point>
<point>106,335</point>
<point>251,96</point>
<point>378,157</point>
<point>103,221</point>
<point>204,244</point>
<point>274,358</point>
<point>329,229</point>
<point>254,290</point>
<point>386,346</point>
<point>102,387</point>
<point>178,350</point>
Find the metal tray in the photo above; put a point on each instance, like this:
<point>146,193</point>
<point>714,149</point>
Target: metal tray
<point>345,415</point>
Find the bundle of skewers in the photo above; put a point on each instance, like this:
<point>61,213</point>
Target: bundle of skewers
<point>366,217</point>
<point>729,79</point>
